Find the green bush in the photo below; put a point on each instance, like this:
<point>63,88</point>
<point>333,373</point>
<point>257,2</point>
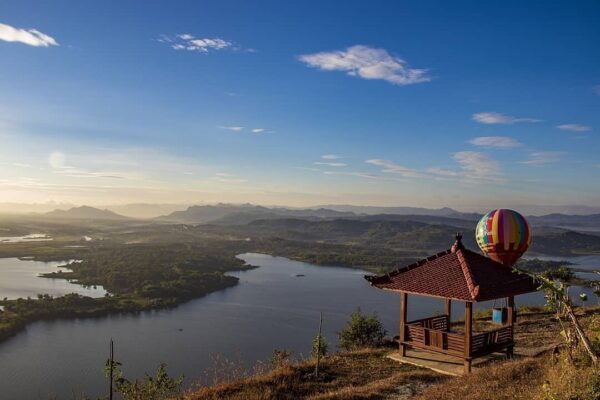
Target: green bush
<point>361,331</point>
<point>319,346</point>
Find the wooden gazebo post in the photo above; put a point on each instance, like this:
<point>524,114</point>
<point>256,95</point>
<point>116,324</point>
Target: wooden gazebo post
<point>448,311</point>
<point>402,336</point>
<point>468,334</point>
<point>510,301</point>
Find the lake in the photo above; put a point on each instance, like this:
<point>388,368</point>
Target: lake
<point>20,278</point>
<point>34,237</point>
<point>271,308</point>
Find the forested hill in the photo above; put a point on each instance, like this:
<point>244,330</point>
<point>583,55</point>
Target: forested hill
<point>402,233</point>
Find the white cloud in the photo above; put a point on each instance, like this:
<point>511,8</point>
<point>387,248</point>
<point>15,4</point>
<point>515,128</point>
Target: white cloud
<point>330,164</point>
<point>497,118</point>
<point>355,174</point>
<point>500,142</point>
<point>574,127</point>
<point>233,128</point>
<point>391,167</point>
<point>330,157</point>
<point>188,42</point>
<point>223,177</point>
<point>368,63</point>
<point>543,157</point>
<point>31,37</point>
<point>478,167</point>
<point>258,130</point>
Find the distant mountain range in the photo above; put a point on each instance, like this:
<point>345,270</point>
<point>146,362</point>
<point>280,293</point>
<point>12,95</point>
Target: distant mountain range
<point>230,214</point>
<point>242,214</point>
<point>85,212</point>
<point>372,210</point>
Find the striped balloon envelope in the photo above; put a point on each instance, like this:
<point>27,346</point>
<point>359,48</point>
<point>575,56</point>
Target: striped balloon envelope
<point>503,235</point>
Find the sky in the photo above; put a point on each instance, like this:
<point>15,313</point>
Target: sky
<point>472,105</point>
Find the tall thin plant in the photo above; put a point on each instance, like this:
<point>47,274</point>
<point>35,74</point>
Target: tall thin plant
<point>557,298</point>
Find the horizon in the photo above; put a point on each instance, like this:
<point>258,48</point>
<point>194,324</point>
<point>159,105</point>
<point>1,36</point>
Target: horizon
<point>153,210</point>
<point>405,104</point>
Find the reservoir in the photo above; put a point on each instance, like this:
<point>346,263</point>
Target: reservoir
<point>275,306</point>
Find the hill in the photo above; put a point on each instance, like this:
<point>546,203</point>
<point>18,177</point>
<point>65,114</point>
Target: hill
<point>233,214</point>
<point>85,212</point>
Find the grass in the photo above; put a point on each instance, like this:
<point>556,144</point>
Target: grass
<point>364,374</point>
<point>368,374</point>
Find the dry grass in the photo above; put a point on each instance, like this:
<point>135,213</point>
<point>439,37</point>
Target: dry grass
<point>499,381</point>
<point>368,374</point>
<point>365,374</point>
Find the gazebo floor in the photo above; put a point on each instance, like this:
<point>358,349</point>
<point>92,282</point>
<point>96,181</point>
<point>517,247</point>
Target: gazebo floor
<point>442,363</point>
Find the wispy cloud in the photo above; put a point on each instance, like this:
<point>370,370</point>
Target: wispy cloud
<point>224,177</point>
<point>393,168</point>
<point>357,174</point>
<point>574,127</point>
<point>232,128</point>
<point>478,167</point>
<point>31,37</point>
<point>58,162</point>
<point>331,164</point>
<point>500,142</point>
<point>497,118</point>
<point>330,157</point>
<point>367,63</point>
<point>188,42</point>
<point>543,157</point>
<point>258,130</point>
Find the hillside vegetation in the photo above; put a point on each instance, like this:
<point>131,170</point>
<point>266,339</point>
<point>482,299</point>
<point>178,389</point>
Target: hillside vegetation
<point>368,374</point>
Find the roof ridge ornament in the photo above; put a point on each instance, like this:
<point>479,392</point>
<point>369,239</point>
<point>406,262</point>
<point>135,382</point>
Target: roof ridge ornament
<point>458,243</point>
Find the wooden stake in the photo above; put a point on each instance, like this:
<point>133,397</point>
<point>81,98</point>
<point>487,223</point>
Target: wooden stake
<point>110,387</point>
<point>319,345</point>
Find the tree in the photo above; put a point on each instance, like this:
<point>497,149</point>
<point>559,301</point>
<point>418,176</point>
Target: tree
<point>319,346</point>
<point>361,331</point>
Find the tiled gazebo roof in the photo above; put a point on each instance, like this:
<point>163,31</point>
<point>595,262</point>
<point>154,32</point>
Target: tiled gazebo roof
<point>457,273</point>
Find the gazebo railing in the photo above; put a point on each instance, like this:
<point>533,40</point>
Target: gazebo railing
<point>433,334</point>
<point>439,322</point>
<point>488,342</point>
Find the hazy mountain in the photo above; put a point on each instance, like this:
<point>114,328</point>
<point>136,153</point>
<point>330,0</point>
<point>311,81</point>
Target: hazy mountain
<point>583,221</point>
<point>28,208</point>
<point>145,211</point>
<point>85,212</point>
<point>233,214</point>
<point>372,210</point>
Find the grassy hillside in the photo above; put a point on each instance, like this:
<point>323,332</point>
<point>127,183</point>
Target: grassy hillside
<point>368,374</point>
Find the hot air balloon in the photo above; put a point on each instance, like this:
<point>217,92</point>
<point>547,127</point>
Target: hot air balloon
<point>503,235</point>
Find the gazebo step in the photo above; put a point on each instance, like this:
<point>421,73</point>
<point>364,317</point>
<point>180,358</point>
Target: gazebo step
<point>442,363</point>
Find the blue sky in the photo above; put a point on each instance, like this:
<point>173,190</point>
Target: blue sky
<point>465,104</point>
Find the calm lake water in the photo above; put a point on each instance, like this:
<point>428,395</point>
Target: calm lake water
<point>20,278</point>
<point>271,308</point>
<point>34,237</point>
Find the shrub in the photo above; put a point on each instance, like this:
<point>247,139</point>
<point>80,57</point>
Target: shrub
<point>361,331</point>
<point>155,387</point>
<point>319,346</point>
<point>280,358</point>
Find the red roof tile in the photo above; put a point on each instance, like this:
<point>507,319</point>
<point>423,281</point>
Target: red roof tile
<point>456,273</point>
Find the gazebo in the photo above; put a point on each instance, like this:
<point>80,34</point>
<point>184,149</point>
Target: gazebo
<point>456,274</point>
